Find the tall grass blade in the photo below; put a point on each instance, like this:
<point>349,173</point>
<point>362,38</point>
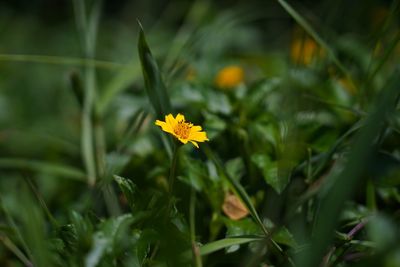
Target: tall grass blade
<point>344,184</point>
<point>307,27</point>
<point>87,29</point>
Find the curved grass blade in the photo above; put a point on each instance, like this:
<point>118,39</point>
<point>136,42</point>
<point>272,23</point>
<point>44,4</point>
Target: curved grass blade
<point>224,243</point>
<point>227,242</point>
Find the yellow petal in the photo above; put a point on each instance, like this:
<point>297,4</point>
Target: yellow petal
<point>198,136</point>
<point>196,128</point>
<point>169,119</point>
<point>180,117</point>
<point>194,143</point>
<point>182,140</point>
<point>164,126</point>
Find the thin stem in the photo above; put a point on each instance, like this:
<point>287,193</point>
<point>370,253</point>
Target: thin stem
<point>171,178</point>
<point>195,247</point>
<point>17,252</point>
<point>357,228</point>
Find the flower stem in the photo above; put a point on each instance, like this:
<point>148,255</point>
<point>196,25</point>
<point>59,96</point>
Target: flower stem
<point>171,178</point>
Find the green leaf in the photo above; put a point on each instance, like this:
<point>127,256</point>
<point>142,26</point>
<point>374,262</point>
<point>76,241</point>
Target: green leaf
<point>270,172</point>
<point>284,237</point>
<point>235,168</point>
<point>227,242</point>
<point>154,84</point>
<point>106,240</point>
<point>128,188</point>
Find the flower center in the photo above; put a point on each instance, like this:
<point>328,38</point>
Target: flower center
<point>182,129</point>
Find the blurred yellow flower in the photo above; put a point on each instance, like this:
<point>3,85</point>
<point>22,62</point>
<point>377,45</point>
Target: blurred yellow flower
<point>182,130</point>
<point>303,51</point>
<point>229,77</point>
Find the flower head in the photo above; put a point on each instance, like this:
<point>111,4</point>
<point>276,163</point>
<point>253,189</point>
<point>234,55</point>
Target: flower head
<point>182,130</point>
<point>229,77</point>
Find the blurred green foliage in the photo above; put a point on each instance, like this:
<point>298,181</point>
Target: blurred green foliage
<point>308,141</point>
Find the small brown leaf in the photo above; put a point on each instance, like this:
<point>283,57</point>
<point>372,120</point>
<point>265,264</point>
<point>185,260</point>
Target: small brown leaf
<point>234,208</point>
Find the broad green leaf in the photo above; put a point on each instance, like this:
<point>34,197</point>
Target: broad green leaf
<point>284,237</point>
<point>270,172</point>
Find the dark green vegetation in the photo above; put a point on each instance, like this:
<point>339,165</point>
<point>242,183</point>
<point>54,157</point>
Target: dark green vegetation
<point>309,141</point>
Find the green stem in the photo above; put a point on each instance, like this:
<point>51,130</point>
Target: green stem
<point>195,247</point>
<point>171,178</point>
<point>14,249</point>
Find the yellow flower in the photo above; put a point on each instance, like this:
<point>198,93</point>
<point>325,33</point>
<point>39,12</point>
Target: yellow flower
<point>304,51</point>
<point>229,77</point>
<point>184,131</point>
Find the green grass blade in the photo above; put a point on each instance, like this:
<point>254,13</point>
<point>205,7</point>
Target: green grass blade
<point>307,27</point>
<point>344,184</point>
<point>87,29</point>
<point>63,61</point>
<point>155,87</point>
<point>11,222</point>
<point>14,249</point>
<point>45,167</point>
<point>226,242</point>
<point>223,243</point>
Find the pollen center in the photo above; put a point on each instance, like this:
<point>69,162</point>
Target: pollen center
<point>182,129</point>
